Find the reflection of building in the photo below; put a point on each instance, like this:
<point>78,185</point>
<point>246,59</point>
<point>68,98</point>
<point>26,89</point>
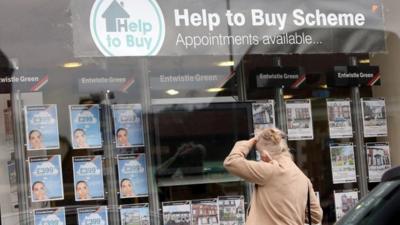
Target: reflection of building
<point>339,112</point>
<point>177,218</point>
<point>302,113</point>
<point>262,113</point>
<point>229,211</point>
<point>134,218</point>
<point>298,117</point>
<point>373,112</point>
<point>204,214</point>
<point>347,203</point>
<point>378,157</point>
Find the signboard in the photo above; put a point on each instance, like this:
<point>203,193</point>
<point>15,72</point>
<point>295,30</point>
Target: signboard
<point>345,76</point>
<point>24,80</point>
<point>282,77</point>
<point>175,27</point>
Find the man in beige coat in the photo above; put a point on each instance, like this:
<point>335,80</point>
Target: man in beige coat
<point>280,195</point>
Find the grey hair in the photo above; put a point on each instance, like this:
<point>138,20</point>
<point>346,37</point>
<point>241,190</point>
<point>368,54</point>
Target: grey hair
<point>273,140</point>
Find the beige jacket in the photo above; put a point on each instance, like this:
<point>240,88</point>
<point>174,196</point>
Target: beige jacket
<point>280,195</point>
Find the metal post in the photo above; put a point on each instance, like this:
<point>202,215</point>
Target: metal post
<point>154,205</point>
<point>242,94</point>
<point>109,162</point>
<point>20,160</point>
<point>281,122</point>
<point>359,136</point>
<point>241,80</point>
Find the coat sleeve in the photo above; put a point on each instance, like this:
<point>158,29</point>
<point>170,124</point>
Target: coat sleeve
<point>316,210</point>
<point>252,171</point>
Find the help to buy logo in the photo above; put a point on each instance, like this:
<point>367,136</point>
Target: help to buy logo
<point>127,27</point>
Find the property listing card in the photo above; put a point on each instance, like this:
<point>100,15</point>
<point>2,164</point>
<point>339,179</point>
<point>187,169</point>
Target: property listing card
<point>45,175</point>
<point>41,127</point>
<point>343,163</point>
<point>339,118</point>
<point>378,158</point>
<point>299,119</point>
<point>93,215</point>
<point>231,210</point>
<point>88,177</point>
<point>178,212</point>
<point>128,125</point>
<point>85,126</point>
<point>135,214</point>
<point>205,212</point>
<point>374,117</point>
<point>132,175</point>
<point>263,115</point>
<point>50,216</point>
<point>344,201</point>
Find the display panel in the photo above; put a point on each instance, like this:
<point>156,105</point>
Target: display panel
<point>132,176</point>
<point>339,118</point>
<point>205,212</point>
<point>343,163</point>
<point>378,158</point>
<point>85,126</point>
<point>178,212</point>
<point>50,216</point>
<point>88,178</point>
<point>46,178</point>
<point>194,139</point>
<point>93,215</point>
<point>135,214</point>
<point>299,119</point>
<point>128,125</point>
<point>263,115</point>
<point>374,117</point>
<point>344,201</point>
<point>41,127</point>
<point>231,210</point>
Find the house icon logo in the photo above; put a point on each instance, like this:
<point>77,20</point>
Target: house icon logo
<point>127,27</point>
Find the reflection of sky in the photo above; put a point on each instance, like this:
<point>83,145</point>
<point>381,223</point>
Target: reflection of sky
<point>347,150</point>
